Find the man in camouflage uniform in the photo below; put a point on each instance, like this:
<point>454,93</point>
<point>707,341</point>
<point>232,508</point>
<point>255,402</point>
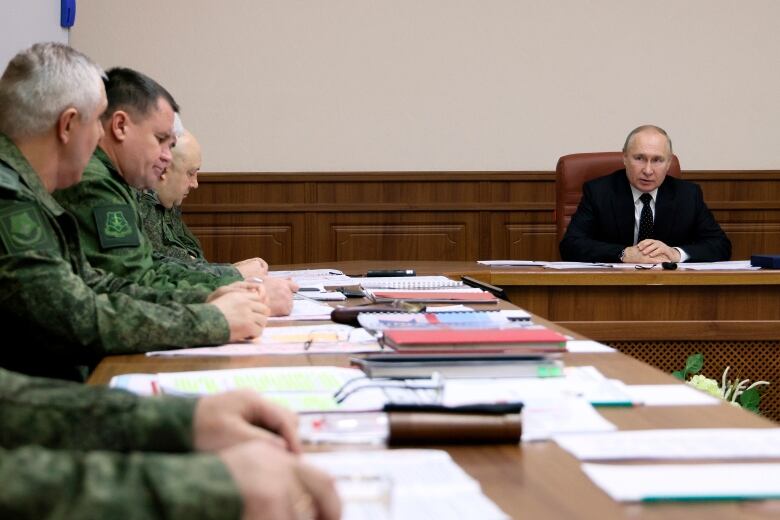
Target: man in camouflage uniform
<point>58,313</point>
<point>71,451</point>
<point>132,154</point>
<point>160,209</point>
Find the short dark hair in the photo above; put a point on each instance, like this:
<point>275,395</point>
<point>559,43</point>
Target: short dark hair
<point>134,92</point>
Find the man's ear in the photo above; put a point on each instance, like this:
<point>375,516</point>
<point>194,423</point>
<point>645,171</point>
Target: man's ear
<point>65,124</point>
<point>119,123</point>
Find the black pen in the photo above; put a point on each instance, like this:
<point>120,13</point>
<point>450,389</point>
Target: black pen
<point>389,272</point>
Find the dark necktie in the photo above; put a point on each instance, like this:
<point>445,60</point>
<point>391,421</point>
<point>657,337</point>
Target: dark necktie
<point>645,219</point>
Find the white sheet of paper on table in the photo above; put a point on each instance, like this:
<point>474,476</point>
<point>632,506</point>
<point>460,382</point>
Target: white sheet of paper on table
<point>675,444</point>
<point>666,482</point>
<point>424,484</point>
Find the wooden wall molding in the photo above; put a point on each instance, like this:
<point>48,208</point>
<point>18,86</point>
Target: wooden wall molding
<point>325,215</point>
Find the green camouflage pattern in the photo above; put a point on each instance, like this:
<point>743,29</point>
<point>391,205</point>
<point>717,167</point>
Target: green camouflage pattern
<point>65,315</point>
<point>102,186</point>
<point>171,239</point>
<point>73,451</point>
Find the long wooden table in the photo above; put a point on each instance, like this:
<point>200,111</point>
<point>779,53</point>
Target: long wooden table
<point>536,480</point>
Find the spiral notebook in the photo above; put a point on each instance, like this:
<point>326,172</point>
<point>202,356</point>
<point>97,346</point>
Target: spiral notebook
<point>407,282</point>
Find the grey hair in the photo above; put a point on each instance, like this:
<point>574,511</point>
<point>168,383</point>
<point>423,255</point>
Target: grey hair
<point>41,82</point>
<point>642,129</point>
<point>178,126</point>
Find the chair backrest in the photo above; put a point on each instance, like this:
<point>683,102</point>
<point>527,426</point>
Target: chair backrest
<point>575,170</point>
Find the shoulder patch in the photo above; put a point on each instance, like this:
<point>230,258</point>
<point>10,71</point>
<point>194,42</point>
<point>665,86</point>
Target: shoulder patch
<point>9,179</point>
<point>116,226</point>
<point>23,227</point>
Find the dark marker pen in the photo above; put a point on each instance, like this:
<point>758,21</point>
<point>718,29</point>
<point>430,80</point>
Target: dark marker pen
<point>390,272</point>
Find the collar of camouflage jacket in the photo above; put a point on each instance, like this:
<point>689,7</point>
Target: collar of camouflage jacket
<point>12,156</point>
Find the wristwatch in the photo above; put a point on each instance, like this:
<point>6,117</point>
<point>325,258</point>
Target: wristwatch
<point>622,254</point>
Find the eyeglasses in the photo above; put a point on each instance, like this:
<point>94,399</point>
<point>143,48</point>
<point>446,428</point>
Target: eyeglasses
<point>416,390</point>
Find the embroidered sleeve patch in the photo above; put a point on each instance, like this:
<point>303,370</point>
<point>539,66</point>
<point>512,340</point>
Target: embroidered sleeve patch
<point>116,226</point>
<point>23,228</point>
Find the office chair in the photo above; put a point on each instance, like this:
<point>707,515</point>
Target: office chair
<point>576,169</point>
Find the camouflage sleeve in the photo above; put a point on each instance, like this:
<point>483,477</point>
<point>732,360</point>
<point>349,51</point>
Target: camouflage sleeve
<point>40,483</point>
<point>169,247</point>
<point>64,415</point>
<point>42,295</point>
<point>221,270</point>
<point>187,276</point>
<point>103,282</point>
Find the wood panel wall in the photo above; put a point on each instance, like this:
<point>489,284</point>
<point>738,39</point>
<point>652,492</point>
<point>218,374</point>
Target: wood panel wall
<point>321,217</point>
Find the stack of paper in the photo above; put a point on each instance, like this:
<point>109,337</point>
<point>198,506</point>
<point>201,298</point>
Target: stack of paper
<point>687,444</point>
<point>418,484</point>
<point>665,482</point>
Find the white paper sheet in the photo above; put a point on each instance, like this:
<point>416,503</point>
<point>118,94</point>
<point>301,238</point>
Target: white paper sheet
<point>306,310</point>
<point>665,482</point>
<point>301,339</point>
<point>670,395</point>
<point>588,346</point>
<point>732,265</point>
<point>681,444</point>
<point>314,277</point>
<point>512,263</point>
<point>423,484</point>
<point>544,418</point>
<point>586,382</point>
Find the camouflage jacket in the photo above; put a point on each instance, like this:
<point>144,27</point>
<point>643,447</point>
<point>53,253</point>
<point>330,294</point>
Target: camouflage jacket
<point>106,208</point>
<point>171,239</point>
<point>56,311</point>
<point>73,451</point>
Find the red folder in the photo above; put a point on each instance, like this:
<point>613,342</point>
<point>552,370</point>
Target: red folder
<point>477,340</point>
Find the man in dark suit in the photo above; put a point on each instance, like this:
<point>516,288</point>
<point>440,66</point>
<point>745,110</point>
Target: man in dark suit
<point>640,215</point>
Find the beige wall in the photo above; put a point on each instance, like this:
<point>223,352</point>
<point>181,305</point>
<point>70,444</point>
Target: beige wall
<point>24,22</point>
<point>294,85</point>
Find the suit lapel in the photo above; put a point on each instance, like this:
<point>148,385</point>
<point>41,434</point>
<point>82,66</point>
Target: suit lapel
<point>623,206</point>
<point>665,208</point>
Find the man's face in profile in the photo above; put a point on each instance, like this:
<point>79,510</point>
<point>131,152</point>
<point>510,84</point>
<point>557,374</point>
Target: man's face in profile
<point>146,151</point>
<point>182,174</point>
<point>647,160</point>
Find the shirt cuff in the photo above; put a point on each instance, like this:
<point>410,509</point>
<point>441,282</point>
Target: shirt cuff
<point>683,255</point>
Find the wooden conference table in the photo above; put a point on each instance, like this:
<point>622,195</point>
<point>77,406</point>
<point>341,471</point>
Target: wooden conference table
<point>537,480</point>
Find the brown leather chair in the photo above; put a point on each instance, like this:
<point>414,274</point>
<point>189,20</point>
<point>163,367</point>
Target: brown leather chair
<point>575,170</point>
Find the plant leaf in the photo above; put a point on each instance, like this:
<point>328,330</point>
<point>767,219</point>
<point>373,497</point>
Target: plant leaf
<point>750,399</point>
<point>694,363</point>
<point>679,374</point>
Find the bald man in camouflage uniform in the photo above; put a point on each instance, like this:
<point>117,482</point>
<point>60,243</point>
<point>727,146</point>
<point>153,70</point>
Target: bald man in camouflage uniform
<point>160,209</point>
<point>63,314</point>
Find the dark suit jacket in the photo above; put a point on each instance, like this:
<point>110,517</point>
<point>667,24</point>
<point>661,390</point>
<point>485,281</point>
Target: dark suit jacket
<point>603,224</point>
